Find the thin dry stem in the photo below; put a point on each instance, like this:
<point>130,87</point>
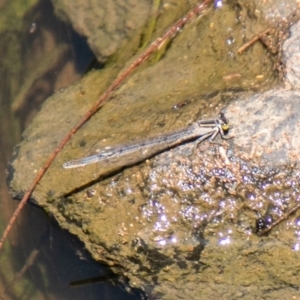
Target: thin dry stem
<point>252,41</point>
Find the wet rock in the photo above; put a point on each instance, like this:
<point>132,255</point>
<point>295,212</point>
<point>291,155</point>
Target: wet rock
<point>106,24</point>
<point>183,223</point>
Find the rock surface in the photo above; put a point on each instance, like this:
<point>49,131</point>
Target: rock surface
<point>106,24</point>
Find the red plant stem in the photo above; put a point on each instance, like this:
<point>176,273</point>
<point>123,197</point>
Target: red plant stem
<point>170,33</point>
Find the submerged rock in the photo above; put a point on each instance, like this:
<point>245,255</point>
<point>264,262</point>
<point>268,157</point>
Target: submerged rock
<point>183,223</point>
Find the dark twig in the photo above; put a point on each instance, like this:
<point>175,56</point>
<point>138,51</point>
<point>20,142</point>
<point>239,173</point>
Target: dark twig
<point>29,262</point>
<point>170,33</point>
<point>279,220</point>
<point>252,41</point>
<point>283,26</point>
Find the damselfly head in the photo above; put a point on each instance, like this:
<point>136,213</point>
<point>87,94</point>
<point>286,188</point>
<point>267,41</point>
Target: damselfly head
<point>224,122</point>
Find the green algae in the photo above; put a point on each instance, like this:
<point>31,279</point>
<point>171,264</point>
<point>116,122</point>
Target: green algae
<point>13,13</point>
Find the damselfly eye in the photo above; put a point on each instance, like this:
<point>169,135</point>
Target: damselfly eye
<point>225,127</point>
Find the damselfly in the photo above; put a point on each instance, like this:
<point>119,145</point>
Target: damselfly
<point>200,130</point>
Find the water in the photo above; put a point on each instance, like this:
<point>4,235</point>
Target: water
<point>39,260</point>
